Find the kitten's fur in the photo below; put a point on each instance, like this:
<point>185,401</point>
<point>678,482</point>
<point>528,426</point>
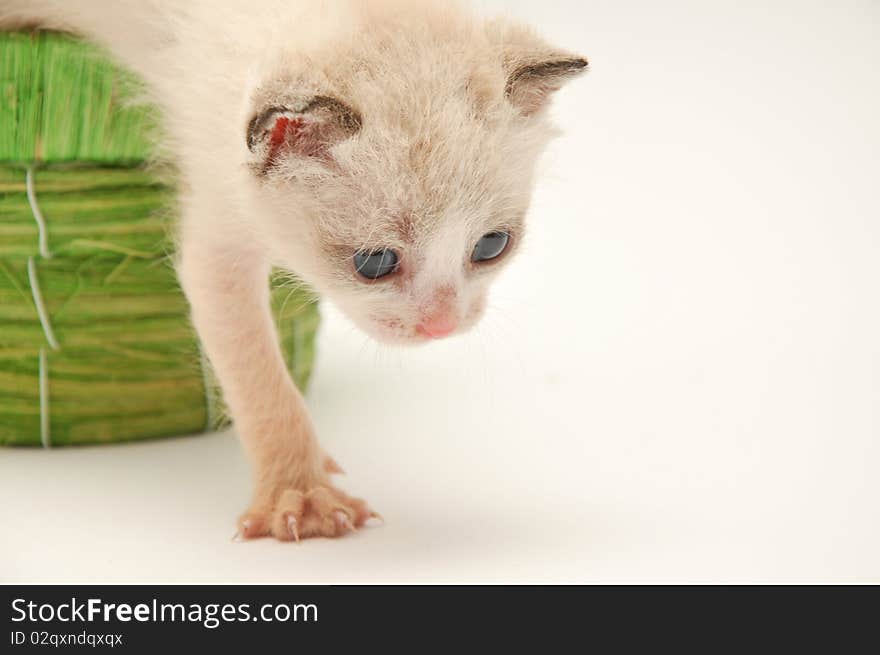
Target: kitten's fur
<point>304,131</point>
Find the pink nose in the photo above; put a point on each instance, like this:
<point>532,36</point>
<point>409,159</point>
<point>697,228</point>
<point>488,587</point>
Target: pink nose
<point>437,327</point>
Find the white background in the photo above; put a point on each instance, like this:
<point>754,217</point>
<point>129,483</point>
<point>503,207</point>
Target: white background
<point>678,381</point>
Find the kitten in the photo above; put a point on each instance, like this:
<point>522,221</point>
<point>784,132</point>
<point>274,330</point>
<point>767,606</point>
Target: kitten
<point>383,150</point>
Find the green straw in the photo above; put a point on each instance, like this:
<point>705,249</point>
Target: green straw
<point>127,364</point>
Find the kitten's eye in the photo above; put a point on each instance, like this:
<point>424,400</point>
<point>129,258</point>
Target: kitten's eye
<point>375,264</point>
<point>490,246</point>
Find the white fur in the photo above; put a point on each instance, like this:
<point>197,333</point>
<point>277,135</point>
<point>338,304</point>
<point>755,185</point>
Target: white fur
<point>444,156</point>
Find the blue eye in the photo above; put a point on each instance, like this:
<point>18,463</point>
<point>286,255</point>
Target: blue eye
<point>375,264</point>
<point>490,246</point>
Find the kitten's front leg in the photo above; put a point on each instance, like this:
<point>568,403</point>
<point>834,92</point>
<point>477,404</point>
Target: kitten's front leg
<point>228,290</point>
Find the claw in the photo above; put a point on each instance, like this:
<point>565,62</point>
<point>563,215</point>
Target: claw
<point>291,527</point>
<point>331,466</point>
<point>237,537</point>
<point>343,521</point>
<point>376,516</point>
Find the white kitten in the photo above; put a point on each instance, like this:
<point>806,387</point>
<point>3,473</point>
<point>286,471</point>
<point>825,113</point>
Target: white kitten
<point>382,150</point>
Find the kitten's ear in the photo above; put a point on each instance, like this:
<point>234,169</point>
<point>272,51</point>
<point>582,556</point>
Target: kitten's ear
<point>309,130</point>
<point>535,70</point>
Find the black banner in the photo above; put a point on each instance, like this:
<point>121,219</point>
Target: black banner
<point>150,618</point>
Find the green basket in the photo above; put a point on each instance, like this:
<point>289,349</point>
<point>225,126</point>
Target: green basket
<point>95,340</point>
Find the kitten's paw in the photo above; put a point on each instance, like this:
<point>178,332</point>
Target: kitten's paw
<point>322,511</point>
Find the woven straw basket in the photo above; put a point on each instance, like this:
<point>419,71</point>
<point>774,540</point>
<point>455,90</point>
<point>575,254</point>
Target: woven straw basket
<point>95,341</point>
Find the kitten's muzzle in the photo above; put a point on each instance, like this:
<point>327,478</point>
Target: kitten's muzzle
<point>437,327</point>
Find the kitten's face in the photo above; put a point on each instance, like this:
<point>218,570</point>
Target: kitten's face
<point>396,181</point>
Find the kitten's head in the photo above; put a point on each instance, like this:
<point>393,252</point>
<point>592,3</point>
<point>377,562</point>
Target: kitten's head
<point>392,169</point>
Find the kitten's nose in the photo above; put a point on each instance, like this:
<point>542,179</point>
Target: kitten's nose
<point>437,327</point>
